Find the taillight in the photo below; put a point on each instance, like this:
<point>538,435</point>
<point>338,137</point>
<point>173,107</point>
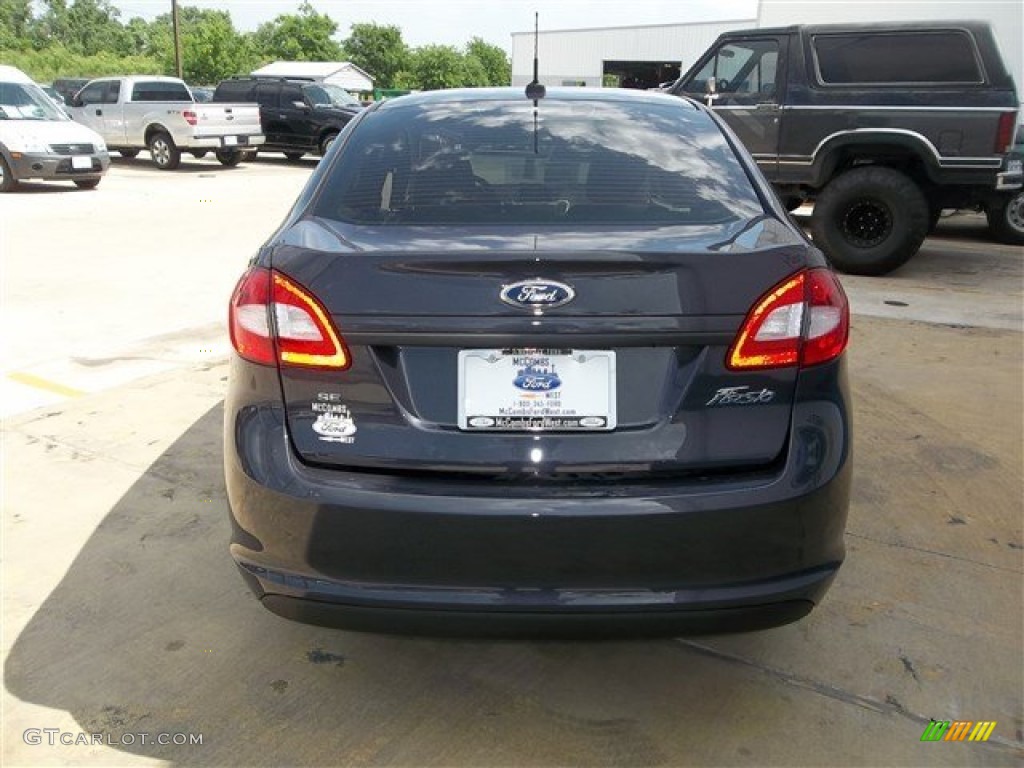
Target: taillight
<point>300,334</point>
<point>249,317</point>
<point>1004,133</point>
<point>190,117</point>
<point>803,320</point>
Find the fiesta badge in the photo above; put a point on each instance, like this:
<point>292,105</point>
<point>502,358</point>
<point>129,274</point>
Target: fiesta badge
<point>537,295</point>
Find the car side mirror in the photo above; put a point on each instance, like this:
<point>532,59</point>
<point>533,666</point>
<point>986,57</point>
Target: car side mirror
<point>301,105</point>
<point>711,86</point>
<point>76,102</point>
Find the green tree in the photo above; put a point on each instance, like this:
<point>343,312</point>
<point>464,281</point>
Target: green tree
<point>16,24</point>
<point>303,36</point>
<point>432,67</point>
<point>378,50</point>
<point>86,27</point>
<point>493,60</point>
<point>211,48</point>
<point>140,34</point>
<point>57,61</point>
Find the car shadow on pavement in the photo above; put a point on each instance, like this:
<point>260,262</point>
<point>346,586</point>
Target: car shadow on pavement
<point>189,164</point>
<point>45,188</point>
<point>151,631</point>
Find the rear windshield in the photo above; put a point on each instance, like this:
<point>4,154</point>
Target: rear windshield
<point>160,91</point>
<point>235,90</point>
<point>483,162</point>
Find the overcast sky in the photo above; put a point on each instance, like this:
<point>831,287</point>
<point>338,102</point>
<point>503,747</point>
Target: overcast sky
<point>454,22</point>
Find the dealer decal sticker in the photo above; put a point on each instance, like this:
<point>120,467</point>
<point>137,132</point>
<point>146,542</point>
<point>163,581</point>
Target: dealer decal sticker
<point>334,422</point>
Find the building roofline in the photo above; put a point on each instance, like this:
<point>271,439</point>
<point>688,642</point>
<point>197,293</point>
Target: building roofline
<point>751,22</point>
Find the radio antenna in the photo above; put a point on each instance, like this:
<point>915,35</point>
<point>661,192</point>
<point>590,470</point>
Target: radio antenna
<point>535,90</point>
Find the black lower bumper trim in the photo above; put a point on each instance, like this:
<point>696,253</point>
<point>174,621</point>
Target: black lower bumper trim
<point>538,625</point>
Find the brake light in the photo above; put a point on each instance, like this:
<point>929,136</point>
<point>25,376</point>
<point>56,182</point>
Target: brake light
<point>190,117</point>
<point>803,320</point>
<point>1004,133</point>
<point>302,334</point>
<point>249,317</point>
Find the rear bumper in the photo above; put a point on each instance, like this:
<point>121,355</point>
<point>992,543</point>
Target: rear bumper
<point>242,141</point>
<point>1012,176</point>
<point>432,555</point>
<point>509,624</point>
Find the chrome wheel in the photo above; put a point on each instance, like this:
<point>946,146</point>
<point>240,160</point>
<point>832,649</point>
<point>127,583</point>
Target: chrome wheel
<point>165,155</point>
<point>160,151</point>
<point>1015,213</point>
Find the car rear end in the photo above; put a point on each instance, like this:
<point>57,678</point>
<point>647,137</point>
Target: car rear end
<point>225,126</point>
<point>556,367</point>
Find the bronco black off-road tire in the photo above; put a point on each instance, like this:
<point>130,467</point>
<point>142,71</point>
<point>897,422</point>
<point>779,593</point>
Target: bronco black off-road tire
<point>870,220</point>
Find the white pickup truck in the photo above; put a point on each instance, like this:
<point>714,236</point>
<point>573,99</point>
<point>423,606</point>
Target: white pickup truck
<point>160,115</point>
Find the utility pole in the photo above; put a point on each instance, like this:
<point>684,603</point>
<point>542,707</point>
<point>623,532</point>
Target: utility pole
<point>177,38</point>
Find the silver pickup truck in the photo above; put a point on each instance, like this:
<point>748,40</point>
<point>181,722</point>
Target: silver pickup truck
<point>159,114</point>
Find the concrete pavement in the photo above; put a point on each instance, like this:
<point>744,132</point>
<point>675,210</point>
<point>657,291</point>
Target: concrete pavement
<point>123,614</point>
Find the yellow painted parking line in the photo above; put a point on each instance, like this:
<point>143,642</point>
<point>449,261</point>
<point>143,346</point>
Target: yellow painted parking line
<point>38,382</point>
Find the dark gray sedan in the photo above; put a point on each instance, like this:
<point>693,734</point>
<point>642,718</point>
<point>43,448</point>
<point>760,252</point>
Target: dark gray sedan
<point>517,366</point>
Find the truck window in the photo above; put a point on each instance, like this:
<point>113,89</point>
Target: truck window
<point>290,93</point>
<point>93,93</point>
<point>268,95</point>
<point>159,90</point>
<point>235,90</point>
<point>901,58</point>
<point>112,91</point>
<point>748,67</point>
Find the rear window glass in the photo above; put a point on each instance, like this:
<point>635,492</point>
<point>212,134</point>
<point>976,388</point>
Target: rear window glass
<point>897,58</point>
<point>482,162</point>
<point>239,91</point>
<point>160,91</point>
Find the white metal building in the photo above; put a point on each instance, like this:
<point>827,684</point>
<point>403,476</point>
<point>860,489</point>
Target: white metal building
<point>585,56</point>
<point>341,73</point>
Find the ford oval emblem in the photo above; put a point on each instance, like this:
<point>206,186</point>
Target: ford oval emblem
<point>537,295</point>
<point>537,378</point>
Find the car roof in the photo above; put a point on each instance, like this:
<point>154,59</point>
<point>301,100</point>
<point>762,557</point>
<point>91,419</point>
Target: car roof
<point>867,27</point>
<point>466,95</point>
<point>9,74</point>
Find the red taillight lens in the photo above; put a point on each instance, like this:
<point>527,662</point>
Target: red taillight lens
<point>828,327</point>
<point>805,319</point>
<point>305,334</point>
<point>302,333</point>
<point>190,117</point>
<point>1004,133</point>
<point>249,317</point>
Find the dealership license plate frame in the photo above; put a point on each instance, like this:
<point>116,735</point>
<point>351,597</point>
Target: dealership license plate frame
<point>486,383</point>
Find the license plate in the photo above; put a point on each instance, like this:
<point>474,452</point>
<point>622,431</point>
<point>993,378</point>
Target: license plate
<point>81,163</point>
<point>536,390</point>
<point>230,141</point>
